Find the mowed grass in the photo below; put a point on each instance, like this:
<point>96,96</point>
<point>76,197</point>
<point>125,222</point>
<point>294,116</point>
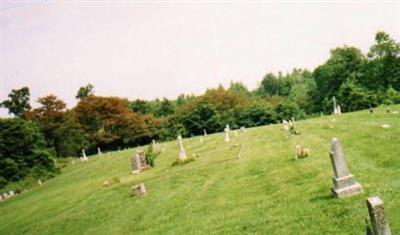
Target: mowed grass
<point>264,192</point>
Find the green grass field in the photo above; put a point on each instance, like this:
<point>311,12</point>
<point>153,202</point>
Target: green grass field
<point>264,192</point>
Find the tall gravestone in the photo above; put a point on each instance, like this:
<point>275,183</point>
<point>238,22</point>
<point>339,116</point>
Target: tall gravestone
<point>84,157</point>
<point>205,132</point>
<point>98,151</point>
<point>136,163</point>
<point>182,152</point>
<point>227,139</point>
<point>344,184</point>
<point>380,225</point>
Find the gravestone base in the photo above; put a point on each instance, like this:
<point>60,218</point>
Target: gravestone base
<point>346,187</point>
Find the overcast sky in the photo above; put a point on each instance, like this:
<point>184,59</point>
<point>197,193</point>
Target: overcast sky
<point>148,50</point>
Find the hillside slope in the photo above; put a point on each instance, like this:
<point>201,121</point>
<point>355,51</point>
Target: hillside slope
<point>264,192</point>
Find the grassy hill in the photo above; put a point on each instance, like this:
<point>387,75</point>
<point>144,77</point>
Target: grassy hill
<point>264,192</point>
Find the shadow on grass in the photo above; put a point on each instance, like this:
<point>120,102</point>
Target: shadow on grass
<point>322,198</point>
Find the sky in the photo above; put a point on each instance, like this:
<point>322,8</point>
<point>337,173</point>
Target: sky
<point>160,49</point>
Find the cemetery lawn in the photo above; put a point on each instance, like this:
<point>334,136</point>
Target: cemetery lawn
<point>264,192</point>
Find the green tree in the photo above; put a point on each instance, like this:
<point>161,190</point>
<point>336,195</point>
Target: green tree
<point>383,69</point>
<point>345,64</point>
<point>85,92</point>
<point>23,150</point>
<point>18,101</point>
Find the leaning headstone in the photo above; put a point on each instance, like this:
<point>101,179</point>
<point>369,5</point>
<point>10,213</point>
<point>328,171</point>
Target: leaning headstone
<point>227,139</point>
<point>344,184</point>
<point>84,157</point>
<point>205,132</point>
<point>182,152</point>
<point>139,190</point>
<point>380,225</point>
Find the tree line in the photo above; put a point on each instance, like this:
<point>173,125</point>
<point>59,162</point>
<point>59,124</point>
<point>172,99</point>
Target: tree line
<point>33,140</point>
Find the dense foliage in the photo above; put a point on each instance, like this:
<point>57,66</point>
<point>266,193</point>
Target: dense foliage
<point>23,151</point>
<point>357,81</point>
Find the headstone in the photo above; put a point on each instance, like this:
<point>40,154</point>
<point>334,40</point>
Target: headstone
<point>227,139</point>
<point>285,125</point>
<point>293,123</point>
<point>84,157</point>
<point>205,132</point>
<point>99,151</point>
<point>182,152</point>
<point>40,182</point>
<point>344,184</point>
<point>139,162</point>
<point>106,183</point>
<point>380,225</point>
<point>339,110</point>
<point>11,193</point>
<point>136,164</point>
<point>242,129</point>
<point>139,190</point>
<point>5,196</point>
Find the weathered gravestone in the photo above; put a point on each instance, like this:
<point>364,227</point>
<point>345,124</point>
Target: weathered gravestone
<point>11,193</point>
<point>344,184</point>
<point>139,190</point>
<point>139,162</point>
<point>99,151</point>
<point>182,152</point>
<point>5,195</point>
<point>380,225</point>
<point>205,132</point>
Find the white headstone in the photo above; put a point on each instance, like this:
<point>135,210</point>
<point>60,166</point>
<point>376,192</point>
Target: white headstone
<point>182,152</point>
<point>84,157</point>
<point>205,132</point>
<point>99,151</point>
<point>227,139</point>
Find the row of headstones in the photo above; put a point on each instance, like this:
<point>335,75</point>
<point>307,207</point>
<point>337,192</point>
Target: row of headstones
<point>344,185</point>
<point>5,196</point>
